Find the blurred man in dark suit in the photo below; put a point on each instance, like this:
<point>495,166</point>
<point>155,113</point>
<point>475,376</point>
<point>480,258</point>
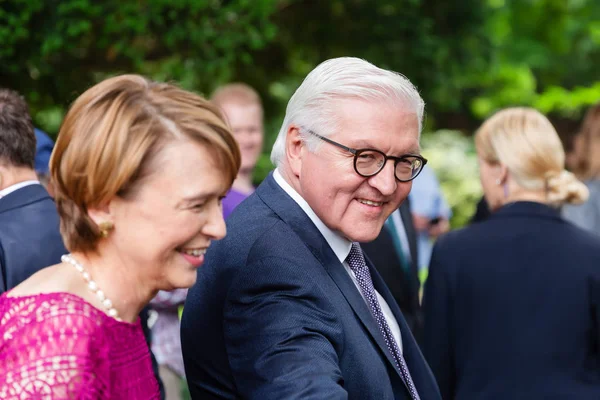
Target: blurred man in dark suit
<point>30,237</point>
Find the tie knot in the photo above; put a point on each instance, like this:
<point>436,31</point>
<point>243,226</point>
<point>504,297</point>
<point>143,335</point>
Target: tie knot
<point>356,258</point>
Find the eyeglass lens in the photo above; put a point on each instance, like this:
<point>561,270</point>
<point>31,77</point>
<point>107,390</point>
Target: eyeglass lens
<point>369,163</point>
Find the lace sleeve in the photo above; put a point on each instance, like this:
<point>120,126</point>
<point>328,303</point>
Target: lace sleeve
<point>52,354</point>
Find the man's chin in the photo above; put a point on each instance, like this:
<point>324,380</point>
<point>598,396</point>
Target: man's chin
<point>363,236</point>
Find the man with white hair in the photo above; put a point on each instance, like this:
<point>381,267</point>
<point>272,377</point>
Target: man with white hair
<point>286,306</point>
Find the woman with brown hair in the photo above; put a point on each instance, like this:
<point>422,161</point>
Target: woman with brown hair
<point>587,167</point>
<point>139,170</point>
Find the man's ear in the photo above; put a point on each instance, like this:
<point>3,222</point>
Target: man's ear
<point>294,149</point>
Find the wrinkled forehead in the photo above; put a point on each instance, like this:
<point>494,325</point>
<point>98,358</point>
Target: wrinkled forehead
<point>388,125</point>
<point>382,100</point>
<point>357,108</point>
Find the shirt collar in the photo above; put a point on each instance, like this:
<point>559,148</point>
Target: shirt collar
<point>6,191</point>
<point>339,244</point>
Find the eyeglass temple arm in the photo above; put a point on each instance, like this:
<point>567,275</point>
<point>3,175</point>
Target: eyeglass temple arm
<point>341,146</point>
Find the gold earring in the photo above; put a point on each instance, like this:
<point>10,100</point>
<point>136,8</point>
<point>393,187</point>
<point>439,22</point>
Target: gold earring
<point>105,227</point>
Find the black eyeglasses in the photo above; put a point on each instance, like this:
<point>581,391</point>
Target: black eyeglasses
<point>369,162</point>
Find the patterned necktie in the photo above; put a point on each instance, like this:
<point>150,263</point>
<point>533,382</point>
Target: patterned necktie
<point>357,264</point>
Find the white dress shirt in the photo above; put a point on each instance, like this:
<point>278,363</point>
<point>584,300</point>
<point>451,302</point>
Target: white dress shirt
<point>341,247</point>
<point>6,191</point>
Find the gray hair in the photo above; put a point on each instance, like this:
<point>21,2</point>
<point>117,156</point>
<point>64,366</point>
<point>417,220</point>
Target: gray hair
<point>311,107</point>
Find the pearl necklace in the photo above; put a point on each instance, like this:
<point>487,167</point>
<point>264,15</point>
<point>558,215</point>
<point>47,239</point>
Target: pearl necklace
<point>93,286</point>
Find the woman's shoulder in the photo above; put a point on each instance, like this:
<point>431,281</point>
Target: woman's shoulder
<point>51,338</point>
<point>60,310</point>
<point>45,314</point>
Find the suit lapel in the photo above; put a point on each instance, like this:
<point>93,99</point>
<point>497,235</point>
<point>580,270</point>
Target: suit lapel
<point>291,213</point>
<point>419,370</point>
<point>343,281</point>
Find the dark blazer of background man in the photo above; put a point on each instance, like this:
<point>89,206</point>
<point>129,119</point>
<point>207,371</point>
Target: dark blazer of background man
<point>29,224</point>
<point>401,279</point>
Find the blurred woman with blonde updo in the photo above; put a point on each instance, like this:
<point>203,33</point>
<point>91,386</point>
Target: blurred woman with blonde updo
<point>512,304</point>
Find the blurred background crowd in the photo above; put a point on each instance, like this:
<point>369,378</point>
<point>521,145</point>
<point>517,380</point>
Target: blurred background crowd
<point>468,58</point>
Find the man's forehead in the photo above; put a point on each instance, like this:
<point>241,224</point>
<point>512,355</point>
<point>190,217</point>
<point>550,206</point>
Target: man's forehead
<point>398,148</point>
<point>398,141</point>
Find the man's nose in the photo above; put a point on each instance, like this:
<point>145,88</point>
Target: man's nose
<point>385,181</point>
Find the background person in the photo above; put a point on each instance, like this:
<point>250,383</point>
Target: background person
<point>431,213</point>
<point>166,343</point>
<point>511,303</point>
<point>139,169</point>
<point>43,151</point>
<point>29,226</point>
<point>587,166</point>
<point>244,113</point>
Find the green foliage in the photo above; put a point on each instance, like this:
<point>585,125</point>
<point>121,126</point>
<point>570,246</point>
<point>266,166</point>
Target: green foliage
<point>452,156</point>
<point>433,43</point>
<point>567,102</point>
<point>545,55</point>
<point>507,84</point>
<point>468,58</point>
<point>51,51</point>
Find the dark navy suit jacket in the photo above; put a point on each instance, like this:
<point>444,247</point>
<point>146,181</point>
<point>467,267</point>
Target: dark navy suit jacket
<point>29,235</point>
<point>512,308</point>
<point>274,315</point>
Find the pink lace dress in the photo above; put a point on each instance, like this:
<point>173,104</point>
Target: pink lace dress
<point>58,346</point>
